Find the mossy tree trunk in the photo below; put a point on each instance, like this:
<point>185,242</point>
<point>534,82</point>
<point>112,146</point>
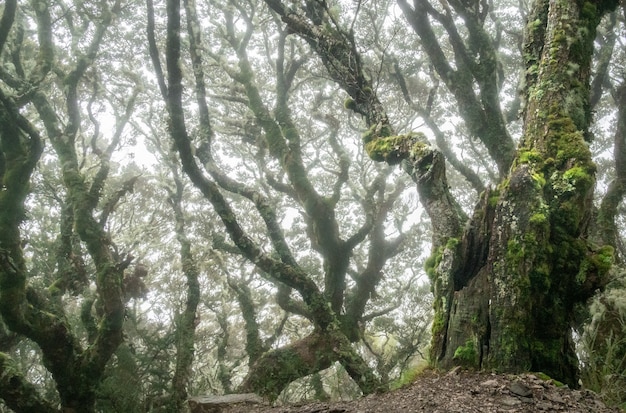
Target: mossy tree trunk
<point>506,280</point>
<point>540,262</point>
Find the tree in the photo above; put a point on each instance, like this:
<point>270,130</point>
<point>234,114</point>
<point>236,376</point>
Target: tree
<point>338,310</point>
<point>506,282</point>
<point>41,97</point>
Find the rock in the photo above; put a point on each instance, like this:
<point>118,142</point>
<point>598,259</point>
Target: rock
<point>490,383</point>
<point>520,389</point>
<point>555,398</point>
<point>455,371</point>
<point>510,401</point>
<point>215,404</point>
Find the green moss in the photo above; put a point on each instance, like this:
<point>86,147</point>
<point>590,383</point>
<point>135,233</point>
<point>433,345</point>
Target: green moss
<point>494,197</point>
<point>515,251</point>
<point>438,323</point>
<point>466,355</point>
<point>393,149</point>
<point>349,104</point>
<point>596,265</point>
<point>430,265</point>
<point>539,180</point>
<point>545,377</point>
<point>529,156</point>
<point>534,25</point>
<point>578,176</point>
<point>376,131</point>
<point>433,261</point>
<point>603,258</point>
<point>452,243</point>
<point>563,131</point>
<point>538,218</point>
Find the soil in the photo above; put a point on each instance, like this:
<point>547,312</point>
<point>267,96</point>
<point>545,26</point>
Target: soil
<point>458,391</point>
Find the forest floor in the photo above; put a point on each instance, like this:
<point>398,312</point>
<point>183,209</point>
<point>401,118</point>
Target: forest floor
<point>458,391</point>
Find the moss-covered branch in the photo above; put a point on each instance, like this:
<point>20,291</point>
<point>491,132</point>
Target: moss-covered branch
<point>316,352</point>
<point>76,371</point>
<point>21,146</point>
<point>380,250</point>
<point>441,140</point>
<point>254,344</point>
<point>20,395</point>
<point>337,49</point>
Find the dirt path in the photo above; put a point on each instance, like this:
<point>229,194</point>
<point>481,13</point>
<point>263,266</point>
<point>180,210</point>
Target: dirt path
<point>459,392</point>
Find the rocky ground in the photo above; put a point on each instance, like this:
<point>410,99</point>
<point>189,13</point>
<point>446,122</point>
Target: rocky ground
<point>458,391</point>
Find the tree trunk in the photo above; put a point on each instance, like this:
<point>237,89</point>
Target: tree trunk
<point>276,369</point>
<point>186,321</point>
<point>525,260</point>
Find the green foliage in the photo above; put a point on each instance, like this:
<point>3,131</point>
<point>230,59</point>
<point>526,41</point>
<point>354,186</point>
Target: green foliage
<point>603,346</point>
<point>538,218</point>
<point>529,156</point>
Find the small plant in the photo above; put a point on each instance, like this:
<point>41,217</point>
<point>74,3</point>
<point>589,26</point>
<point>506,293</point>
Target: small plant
<point>603,348</point>
<point>409,375</point>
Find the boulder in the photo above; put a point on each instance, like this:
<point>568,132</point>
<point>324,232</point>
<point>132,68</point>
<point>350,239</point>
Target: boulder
<point>215,404</point>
